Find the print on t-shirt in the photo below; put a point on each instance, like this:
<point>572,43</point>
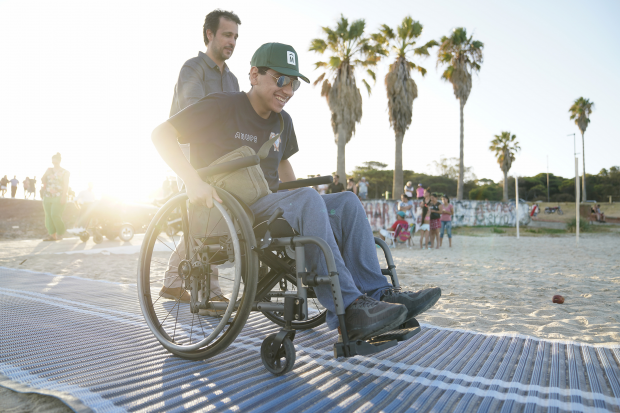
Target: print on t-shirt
<point>276,144</point>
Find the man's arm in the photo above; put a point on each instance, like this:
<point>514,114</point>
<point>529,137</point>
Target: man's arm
<point>189,87</point>
<point>285,171</point>
<point>164,138</point>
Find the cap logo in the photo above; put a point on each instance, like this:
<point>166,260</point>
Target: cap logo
<point>290,58</point>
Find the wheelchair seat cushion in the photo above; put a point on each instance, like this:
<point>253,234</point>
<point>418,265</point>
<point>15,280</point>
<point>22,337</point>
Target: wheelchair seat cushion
<point>279,228</point>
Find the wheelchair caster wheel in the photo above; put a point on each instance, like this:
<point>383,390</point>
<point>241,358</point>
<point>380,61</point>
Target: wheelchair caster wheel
<point>97,237</point>
<point>272,357</point>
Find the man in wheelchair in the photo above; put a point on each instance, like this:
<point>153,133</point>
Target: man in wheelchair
<point>223,122</point>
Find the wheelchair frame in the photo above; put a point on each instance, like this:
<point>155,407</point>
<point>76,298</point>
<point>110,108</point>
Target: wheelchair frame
<point>270,251</point>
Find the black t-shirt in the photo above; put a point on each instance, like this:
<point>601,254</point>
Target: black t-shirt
<point>335,188</point>
<point>223,122</point>
<point>434,210</point>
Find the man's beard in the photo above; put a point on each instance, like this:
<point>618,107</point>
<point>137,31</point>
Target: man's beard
<point>220,54</point>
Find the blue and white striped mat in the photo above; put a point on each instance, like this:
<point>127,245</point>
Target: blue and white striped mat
<point>86,343</point>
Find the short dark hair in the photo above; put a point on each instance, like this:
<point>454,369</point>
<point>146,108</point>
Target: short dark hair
<point>337,176</point>
<point>212,22</point>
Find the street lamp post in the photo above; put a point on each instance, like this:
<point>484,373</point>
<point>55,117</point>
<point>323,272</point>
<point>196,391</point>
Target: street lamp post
<point>577,220</point>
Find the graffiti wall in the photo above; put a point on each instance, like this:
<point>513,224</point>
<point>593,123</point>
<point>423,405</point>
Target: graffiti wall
<point>382,214</point>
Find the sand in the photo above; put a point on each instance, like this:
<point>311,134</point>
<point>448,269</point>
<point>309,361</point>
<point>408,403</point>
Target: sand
<point>490,284</point>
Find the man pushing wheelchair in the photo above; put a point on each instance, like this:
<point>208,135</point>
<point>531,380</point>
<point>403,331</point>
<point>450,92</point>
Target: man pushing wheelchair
<point>224,122</point>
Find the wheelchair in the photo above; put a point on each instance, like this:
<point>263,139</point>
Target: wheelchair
<point>260,266</point>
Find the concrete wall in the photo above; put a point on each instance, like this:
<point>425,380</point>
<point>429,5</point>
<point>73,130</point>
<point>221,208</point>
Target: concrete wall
<point>382,214</point>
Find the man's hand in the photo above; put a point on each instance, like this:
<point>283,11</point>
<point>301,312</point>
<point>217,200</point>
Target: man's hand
<point>201,193</point>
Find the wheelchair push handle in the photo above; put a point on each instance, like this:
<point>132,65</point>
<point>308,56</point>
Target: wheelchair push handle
<point>229,166</point>
<point>306,182</point>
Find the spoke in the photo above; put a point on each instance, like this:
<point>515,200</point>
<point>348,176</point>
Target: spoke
<point>192,330</point>
<point>201,327</point>
<point>167,287</point>
<point>175,304</point>
<point>176,320</point>
<point>207,236</point>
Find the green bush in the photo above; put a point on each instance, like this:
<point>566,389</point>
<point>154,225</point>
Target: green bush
<point>491,192</point>
<point>583,225</point>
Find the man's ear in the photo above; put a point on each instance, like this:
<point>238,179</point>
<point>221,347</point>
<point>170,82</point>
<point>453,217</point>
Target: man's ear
<point>210,35</point>
<point>254,76</point>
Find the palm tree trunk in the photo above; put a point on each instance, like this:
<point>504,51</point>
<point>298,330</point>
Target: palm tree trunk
<point>459,189</point>
<point>506,186</point>
<point>342,142</point>
<point>398,185</point>
<point>583,154</point>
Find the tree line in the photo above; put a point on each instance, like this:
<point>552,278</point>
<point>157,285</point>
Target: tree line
<point>349,48</point>
<point>531,188</point>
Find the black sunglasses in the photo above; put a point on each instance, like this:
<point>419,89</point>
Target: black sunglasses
<point>285,80</point>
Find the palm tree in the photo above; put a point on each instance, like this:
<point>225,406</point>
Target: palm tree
<point>463,56</point>
<point>581,111</point>
<point>505,147</point>
<point>401,88</point>
<point>348,48</point>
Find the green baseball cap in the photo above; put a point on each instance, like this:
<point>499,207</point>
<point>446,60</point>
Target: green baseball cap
<point>279,57</point>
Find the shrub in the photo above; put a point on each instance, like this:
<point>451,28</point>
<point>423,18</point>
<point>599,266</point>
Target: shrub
<point>583,225</point>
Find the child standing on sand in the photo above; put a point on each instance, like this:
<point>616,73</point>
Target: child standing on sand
<point>425,227</point>
<point>446,210</point>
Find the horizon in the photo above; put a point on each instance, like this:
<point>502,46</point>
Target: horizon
<point>91,81</point>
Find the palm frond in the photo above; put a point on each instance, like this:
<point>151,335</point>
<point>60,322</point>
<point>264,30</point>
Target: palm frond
<point>367,86</point>
<point>319,79</point>
<point>318,45</point>
<point>372,74</point>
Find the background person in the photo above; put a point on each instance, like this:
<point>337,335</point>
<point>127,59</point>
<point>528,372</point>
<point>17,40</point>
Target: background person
<point>351,186</point>
<point>26,187</point>
<point>420,191</point>
<point>446,210</point>
<point>406,205</point>
<point>3,184</point>
<point>14,183</point>
<point>400,228</point>
<point>409,189</point>
<point>425,227</point>
<point>435,221</point>
<point>335,186</point>
<point>362,189</point>
<point>56,181</point>
<point>33,187</point>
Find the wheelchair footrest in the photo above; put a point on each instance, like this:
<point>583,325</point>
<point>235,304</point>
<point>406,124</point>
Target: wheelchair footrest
<point>399,335</point>
<point>362,348</point>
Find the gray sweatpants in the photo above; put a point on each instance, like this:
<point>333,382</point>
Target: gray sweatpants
<point>340,220</point>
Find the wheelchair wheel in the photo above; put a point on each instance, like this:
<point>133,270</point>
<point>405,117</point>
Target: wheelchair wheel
<point>174,285</point>
<point>272,357</point>
<point>316,312</point>
<point>97,237</point>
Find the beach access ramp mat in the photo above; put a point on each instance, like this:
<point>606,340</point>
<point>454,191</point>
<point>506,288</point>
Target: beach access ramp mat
<point>86,343</point>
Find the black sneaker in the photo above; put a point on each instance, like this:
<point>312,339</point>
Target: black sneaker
<point>416,302</point>
<point>367,317</point>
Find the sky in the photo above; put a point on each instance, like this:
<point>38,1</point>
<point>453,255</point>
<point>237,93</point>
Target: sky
<point>91,80</point>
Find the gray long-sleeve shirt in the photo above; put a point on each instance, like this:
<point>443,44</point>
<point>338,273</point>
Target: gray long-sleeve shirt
<point>199,77</point>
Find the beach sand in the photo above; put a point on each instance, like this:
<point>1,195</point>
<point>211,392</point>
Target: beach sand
<point>490,284</point>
